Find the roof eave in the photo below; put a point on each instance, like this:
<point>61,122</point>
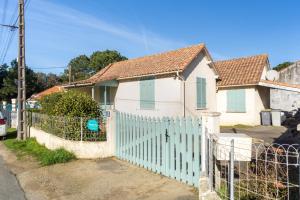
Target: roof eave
<point>147,75</point>
<point>238,85</point>
<point>77,85</point>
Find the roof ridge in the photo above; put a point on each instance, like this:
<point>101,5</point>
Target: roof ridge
<point>244,57</point>
<point>161,53</point>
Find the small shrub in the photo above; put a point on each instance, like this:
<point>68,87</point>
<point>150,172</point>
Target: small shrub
<point>71,103</point>
<point>48,102</point>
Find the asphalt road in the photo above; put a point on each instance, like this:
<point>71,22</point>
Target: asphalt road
<point>9,186</point>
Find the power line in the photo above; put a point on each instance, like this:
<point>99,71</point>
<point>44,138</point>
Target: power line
<point>3,18</point>
<point>11,34</point>
<point>8,44</point>
<point>48,67</point>
<point>26,5</point>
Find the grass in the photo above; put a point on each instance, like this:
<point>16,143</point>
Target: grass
<point>41,153</point>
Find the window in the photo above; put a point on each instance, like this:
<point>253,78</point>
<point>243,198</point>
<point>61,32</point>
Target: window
<point>201,92</point>
<point>147,94</point>
<point>236,100</point>
<point>108,96</point>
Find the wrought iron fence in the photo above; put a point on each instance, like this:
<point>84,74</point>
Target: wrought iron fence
<point>255,171</point>
<point>70,128</point>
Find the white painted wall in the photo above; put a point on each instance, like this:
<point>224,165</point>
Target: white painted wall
<point>199,68</point>
<point>257,99</point>
<point>167,98</point>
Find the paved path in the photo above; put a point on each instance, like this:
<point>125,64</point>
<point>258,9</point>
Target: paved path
<point>105,179</point>
<point>9,186</point>
<point>268,134</point>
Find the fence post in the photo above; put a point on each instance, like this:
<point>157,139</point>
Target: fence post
<point>210,165</point>
<point>210,126</point>
<point>4,105</point>
<point>231,175</point>
<point>81,128</point>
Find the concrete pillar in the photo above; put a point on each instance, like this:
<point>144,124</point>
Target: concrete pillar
<point>14,115</point>
<point>210,126</point>
<point>93,92</point>
<point>13,105</point>
<point>105,97</point>
<point>111,131</point>
<point>4,103</point>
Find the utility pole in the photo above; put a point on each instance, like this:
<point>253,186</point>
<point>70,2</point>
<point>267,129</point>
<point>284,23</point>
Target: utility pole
<point>70,74</point>
<point>21,76</point>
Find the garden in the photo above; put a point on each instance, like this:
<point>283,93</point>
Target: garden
<point>70,115</point>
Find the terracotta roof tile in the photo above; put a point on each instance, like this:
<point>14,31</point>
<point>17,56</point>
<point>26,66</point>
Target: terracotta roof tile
<point>241,71</point>
<point>166,62</point>
<point>48,91</point>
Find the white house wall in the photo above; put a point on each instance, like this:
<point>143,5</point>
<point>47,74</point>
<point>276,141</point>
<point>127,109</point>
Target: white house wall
<point>167,98</point>
<point>257,99</point>
<point>199,68</point>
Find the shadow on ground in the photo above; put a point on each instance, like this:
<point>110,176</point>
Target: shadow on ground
<point>291,135</point>
<point>286,134</point>
<point>11,134</point>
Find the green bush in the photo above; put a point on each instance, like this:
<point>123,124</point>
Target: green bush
<point>48,102</point>
<point>76,104</point>
<point>63,115</point>
<point>41,153</point>
<point>71,103</point>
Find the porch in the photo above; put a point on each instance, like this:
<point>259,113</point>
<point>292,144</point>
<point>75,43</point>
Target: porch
<point>104,93</point>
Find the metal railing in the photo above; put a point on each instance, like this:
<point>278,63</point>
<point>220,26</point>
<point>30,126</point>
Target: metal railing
<point>69,128</point>
<point>255,171</point>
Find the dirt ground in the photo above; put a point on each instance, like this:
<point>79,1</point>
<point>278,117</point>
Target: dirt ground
<point>93,179</point>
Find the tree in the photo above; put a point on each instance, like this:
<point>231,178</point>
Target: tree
<point>9,88</point>
<point>80,68</point>
<point>101,59</point>
<point>282,66</point>
<point>45,81</point>
<point>3,73</point>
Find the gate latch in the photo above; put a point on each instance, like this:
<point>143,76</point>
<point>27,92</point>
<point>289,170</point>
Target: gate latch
<point>166,134</point>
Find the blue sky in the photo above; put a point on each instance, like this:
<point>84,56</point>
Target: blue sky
<point>58,30</point>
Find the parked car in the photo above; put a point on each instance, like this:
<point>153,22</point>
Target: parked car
<point>3,126</point>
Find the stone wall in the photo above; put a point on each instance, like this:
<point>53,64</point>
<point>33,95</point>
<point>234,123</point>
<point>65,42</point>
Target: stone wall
<point>283,99</point>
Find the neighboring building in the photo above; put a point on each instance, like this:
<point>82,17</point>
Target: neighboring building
<point>240,97</point>
<point>287,100</point>
<point>175,83</point>
<point>32,101</point>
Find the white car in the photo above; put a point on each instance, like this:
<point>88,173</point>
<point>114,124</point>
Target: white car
<point>3,130</point>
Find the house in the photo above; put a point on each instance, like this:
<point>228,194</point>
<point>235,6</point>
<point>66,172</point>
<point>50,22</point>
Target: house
<point>240,97</point>
<point>175,83</point>
<point>185,82</point>
<point>32,101</point>
<point>287,100</point>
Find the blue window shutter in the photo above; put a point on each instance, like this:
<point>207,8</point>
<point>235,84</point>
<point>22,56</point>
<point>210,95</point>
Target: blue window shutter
<point>147,94</point>
<point>236,100</point>
<point>201,92</point>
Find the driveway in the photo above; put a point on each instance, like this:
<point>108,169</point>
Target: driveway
<point>9,186</point>
<point>94,179</point>
<point>269,134</point>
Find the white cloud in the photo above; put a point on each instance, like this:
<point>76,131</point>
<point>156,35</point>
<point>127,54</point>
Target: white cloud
<point>65,17</point>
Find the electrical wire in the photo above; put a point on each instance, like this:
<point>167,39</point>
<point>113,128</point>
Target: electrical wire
<point>3,19</point>
<point>49,67</point>
<point>11,34</point>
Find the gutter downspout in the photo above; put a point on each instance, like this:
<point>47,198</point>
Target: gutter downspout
<point>182,79</point>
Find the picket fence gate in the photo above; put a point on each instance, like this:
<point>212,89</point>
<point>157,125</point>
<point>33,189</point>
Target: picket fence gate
<point>166,146</point>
